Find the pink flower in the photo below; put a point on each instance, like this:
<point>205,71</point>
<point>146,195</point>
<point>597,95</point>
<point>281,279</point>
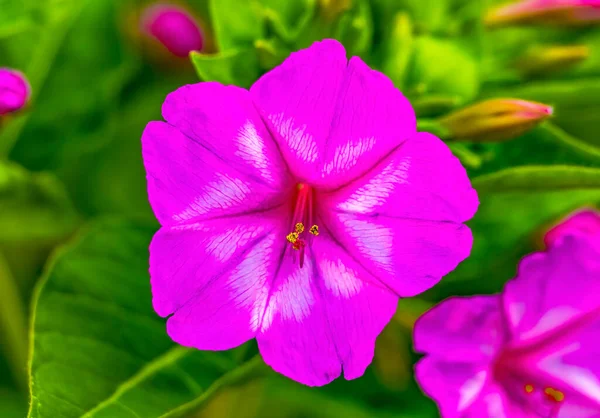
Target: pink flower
<point>529,352</point>
<point>586,221</point>
<point>298,212</point>
<point>14,91</point>
<point>570,12</point>
<point>175,28</point>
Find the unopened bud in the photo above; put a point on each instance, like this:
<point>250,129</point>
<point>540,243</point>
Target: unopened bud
<point>544,60</point>
<point>174,28</point>
<point>495,119</point>
<point>584,222</point>
<point>14,91</point>
<point>559,12</point>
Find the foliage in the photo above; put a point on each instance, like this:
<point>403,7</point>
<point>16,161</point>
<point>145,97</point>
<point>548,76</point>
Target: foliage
<point>74,210</point>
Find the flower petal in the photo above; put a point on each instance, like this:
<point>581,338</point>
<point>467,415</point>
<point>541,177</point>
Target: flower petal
<point>407,255</point>
<point>553,290</point>
<point>358,307</point>
<point>462,329</point>
<point>419,180</point>
<point>333,119</point>
<point>583,222</point>
<point>188,182</point>
<point>295,337</point>
<point>215,277</point>
<point>324,317</point>
<point>464,390</point>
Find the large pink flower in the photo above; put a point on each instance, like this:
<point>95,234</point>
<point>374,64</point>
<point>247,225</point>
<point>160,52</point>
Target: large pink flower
<point>532,351</point>
<point>299,212</point>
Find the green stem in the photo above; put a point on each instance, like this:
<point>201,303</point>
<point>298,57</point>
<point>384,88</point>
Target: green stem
<point>13,324</point>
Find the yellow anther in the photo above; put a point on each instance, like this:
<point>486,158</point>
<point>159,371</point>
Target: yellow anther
<point>314,230</point>
<point>299,227</point>
<point>556,395</point>
<point>292,237</point>
<point>528,388</point>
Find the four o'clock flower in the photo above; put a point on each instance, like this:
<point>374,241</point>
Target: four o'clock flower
<point>174,27</point>
<point>566,12</point>
<point>14,91</point>
<point>529,352</point>
<point>298,212</point>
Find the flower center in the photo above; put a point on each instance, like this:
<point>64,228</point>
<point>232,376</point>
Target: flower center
<point>299,238</point>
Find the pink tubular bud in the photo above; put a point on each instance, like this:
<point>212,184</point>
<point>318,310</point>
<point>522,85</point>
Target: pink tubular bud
<point>14,91</point>
<point>559,12</point>
<point>495,119</point>
<point>173,27</point>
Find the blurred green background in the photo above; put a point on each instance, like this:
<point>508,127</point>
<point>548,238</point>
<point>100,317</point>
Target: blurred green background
<point>77,330</point>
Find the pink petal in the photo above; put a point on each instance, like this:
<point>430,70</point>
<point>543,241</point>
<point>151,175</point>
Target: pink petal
<point>583,222</point>
<point>187,182</point>
<point>333,119</point>
<point>325,317</point>
<point>407,255</point>
<point>462,329</point>
<point>464,390</point>
<point>553,290</point>
<point>295,338</point>
<point>420,180</point>
<point>215,276</point>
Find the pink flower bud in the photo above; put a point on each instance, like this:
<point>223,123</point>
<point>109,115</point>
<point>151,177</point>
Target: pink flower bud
<point>14,90</point>
<point>563,12</point>
<point>174,27</point>
<point>495,119</point>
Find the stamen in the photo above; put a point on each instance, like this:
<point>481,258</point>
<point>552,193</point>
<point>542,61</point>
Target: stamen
<point>554,395</point>
<point>314,230</point>
<point>299,227</point>
<point>303,215</point>
<point>529,388</point>
<point>292,237</point>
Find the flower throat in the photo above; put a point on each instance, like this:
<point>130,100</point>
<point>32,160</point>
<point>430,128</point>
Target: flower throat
<point>299,238</point>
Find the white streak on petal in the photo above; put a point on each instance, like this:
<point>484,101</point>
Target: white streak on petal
<point>470,390</point>
<point>224,245</point>
<point>339,279</point>
<point>297,138</point>
<point>376,242</point>
<point>377,191</point>
<point>224,192</point>
<point>293,299</point>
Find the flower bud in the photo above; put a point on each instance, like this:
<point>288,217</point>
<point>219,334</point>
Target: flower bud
<point>14,91</point>
<point>583,222</point>
<point>173,27</point>
<point>495,119</point>
<point>544,60</point>
<point>560,12</point>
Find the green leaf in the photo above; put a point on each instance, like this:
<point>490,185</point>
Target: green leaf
<point>33,207</point>
<point>99,350</point>
<point>236,24</point>
<point>399,49</point>
<point>539,178</point>
<point>238,67</point>
<point>355,29</point>
<point>287,18</point>
<point>12,404</point>
<point>84,52</point>
<point>16,17</point>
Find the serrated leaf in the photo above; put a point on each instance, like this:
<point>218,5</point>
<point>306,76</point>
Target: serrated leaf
<point>238,67</point>
<point>33,207</point>
<point>99,350</point>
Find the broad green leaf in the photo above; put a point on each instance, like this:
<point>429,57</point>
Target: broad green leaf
<point>16,17</point>
<point>77,75</point>
<point>239,67</point>
<point>287,18</point>
<point>99,350</point>
<point>33,207</point>
<point>237,24</point>
<point>12,404</point>
<point>539,178</point>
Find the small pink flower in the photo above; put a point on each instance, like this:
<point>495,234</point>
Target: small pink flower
<point>14,91</point>
<point>298,212</point>
<point>573,12</point>
<point>531,352</point>
<point>174,27</point>
<point>586,221</point>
